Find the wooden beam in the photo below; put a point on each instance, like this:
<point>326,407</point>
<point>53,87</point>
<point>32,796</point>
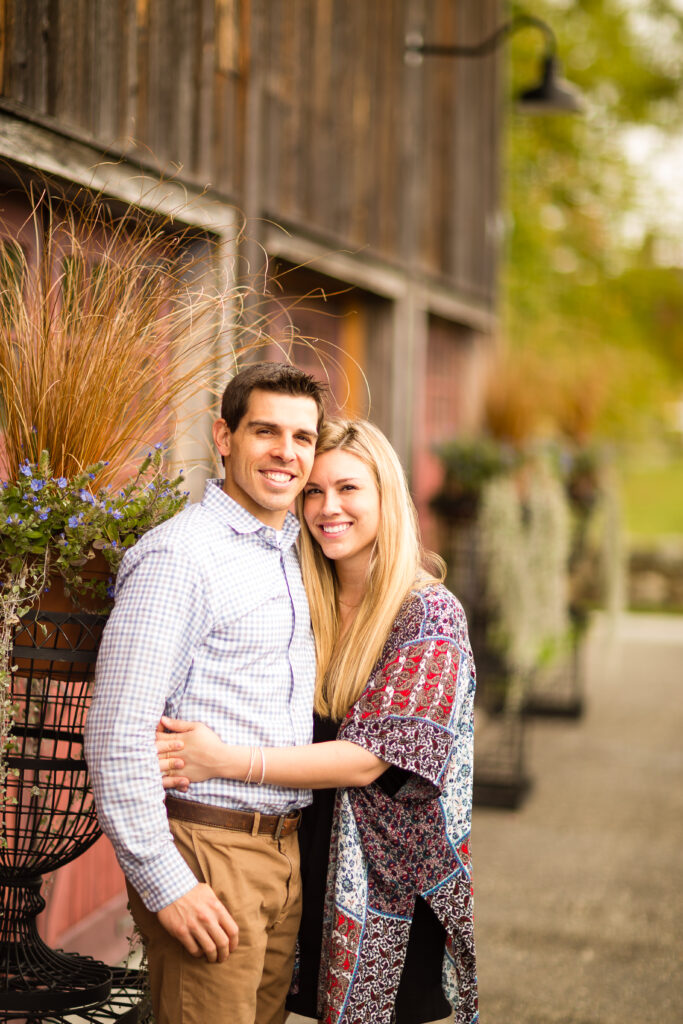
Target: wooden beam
<point>52,153</point>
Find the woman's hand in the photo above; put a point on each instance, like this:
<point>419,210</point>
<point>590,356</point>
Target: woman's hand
<point>189,752</point>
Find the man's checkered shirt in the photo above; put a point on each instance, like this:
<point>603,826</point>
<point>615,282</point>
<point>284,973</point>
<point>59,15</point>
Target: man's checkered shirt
<point>210,624</point>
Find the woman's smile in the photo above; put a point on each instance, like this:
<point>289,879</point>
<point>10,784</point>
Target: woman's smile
<point>333,529</point>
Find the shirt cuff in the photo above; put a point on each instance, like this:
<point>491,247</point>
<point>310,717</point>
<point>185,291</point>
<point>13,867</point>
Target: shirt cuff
<point>161,881</point>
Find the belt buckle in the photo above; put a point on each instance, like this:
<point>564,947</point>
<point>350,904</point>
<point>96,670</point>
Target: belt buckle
<point>280,825</point>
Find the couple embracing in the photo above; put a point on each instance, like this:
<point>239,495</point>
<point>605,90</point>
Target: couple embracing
<point>233,622</point>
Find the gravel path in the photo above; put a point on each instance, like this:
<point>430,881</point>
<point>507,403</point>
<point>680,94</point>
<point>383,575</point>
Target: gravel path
<point>580,892</point>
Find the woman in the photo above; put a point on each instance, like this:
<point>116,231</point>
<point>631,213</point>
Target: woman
<point>394,729</point>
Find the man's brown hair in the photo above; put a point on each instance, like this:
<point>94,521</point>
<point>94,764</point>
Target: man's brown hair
<point>282,378</point>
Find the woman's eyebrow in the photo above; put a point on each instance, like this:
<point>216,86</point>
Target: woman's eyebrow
<point>335,483</point>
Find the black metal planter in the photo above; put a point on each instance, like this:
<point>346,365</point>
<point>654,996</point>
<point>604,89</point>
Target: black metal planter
<point>49,816</point>
<point>500,773</point>
<point>558,692</point>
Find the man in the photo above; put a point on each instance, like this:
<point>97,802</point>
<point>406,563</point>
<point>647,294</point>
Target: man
<point>211,623</point>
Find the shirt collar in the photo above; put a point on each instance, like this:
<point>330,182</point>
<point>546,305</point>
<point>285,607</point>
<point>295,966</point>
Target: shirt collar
<point>241,521</point>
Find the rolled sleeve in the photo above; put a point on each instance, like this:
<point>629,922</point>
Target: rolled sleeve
<point>408,714</point>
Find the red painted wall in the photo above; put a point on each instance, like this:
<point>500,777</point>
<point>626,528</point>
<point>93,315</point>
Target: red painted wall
<point>86,906</point>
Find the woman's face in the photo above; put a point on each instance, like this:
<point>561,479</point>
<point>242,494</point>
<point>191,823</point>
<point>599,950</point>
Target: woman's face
<point>341,507</point>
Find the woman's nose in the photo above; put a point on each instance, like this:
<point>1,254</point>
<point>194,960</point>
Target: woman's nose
<point>330,503</point>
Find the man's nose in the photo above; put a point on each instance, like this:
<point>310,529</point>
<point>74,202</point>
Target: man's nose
<point>284,448</point>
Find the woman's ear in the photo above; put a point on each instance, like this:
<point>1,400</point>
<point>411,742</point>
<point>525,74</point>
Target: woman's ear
<point>221,437</point>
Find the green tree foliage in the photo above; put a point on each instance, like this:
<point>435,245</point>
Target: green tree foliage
<point>582,291</point>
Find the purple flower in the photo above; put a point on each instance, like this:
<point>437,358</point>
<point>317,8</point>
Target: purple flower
<point>86,496</point>
<point>25,469</point>
<point>159,446</point>
<point>37,485</point>
<point>116,514</point>
<point>44,514</point>
<point>74,520</point>
<point>62,482</point>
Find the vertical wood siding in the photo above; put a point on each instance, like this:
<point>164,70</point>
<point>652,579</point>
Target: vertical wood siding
<point>335,94</point>
<point>157,77</point>
<point>170,79</point>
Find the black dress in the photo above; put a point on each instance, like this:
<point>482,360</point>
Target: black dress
<point>420,997</point>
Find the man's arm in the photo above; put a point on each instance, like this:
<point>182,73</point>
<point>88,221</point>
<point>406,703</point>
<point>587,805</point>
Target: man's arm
<point>146,653</point>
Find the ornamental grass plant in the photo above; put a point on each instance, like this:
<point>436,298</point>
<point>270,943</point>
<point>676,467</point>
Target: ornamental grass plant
<point>108,321</point>
<point>111,319</point>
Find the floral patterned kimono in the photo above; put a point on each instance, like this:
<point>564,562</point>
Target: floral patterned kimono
<point>416,713</point>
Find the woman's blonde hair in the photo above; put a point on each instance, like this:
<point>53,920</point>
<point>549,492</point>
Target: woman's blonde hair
<point>396,567</point>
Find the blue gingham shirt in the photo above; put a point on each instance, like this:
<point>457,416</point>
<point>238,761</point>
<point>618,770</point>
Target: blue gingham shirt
<point>211,624</point>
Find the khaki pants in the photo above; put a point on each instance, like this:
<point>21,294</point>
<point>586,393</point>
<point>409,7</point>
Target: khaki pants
<point>257,878</point>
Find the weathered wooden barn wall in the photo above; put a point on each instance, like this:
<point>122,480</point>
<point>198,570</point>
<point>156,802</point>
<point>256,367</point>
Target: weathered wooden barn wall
<point>157,78</point>
<point>337,128</point>
<point>305,114</point>
<point>185,85</point>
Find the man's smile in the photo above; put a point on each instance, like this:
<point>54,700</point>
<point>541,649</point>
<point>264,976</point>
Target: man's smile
<point>277,476</point>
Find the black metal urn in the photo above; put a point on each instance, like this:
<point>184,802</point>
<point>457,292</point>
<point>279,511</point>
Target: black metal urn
<point>49,817</point>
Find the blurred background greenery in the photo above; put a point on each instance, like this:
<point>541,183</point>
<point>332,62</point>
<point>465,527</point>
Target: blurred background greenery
<point>592,275</point>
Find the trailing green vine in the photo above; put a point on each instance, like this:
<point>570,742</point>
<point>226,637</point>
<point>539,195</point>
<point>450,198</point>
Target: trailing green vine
<point>525,533</point>
<point>55,526</point>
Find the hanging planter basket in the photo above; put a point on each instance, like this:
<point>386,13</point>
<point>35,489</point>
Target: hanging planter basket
<point>49,817</point>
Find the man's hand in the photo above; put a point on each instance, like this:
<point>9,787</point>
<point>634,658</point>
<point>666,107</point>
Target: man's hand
<point>201,923</point>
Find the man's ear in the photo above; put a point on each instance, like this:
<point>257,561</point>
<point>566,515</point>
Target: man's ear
<point>221,437</point>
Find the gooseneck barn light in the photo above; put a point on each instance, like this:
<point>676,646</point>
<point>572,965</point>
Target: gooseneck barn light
<point>552,94</point>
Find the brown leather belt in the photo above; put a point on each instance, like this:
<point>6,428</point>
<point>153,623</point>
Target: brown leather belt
<point>274,825</point>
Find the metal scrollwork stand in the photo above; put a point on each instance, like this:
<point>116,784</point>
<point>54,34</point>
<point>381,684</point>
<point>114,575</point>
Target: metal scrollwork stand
<point>48,820</point>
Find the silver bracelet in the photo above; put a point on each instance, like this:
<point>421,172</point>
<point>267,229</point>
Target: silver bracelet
<point>252,751</point>
<point>263,766</point>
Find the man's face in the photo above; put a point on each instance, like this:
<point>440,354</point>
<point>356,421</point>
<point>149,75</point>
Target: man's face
<point>268,458</point>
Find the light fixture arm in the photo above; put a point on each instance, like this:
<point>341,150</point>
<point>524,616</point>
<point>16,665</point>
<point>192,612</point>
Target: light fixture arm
<point>487,45</point>
<point>551,94</point>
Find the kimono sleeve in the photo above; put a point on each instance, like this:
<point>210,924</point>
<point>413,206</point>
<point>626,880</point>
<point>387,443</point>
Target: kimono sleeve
<point>408,714</point>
